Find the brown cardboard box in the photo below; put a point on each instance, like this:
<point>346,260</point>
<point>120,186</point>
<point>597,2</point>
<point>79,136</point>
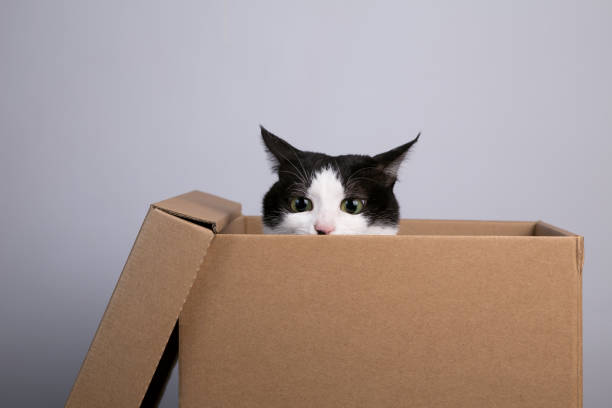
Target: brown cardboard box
<point>446,314</point>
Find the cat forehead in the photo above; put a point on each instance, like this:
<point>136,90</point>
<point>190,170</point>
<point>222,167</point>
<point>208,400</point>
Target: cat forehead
<point>326,184</point>
<point>307,164</point>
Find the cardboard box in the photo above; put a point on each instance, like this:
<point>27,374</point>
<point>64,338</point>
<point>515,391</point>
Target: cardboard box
<point>446,314</point>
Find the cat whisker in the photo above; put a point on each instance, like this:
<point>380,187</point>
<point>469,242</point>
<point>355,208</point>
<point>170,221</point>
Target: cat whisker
<point>302,178</point>
<point>298,176</point>
<point>354,180</point>
<point>358,170</point>
<point>297,188</point>
<point>300,162</point>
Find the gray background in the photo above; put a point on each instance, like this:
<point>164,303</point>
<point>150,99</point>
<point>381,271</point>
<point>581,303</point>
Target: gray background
<point>108,106</point>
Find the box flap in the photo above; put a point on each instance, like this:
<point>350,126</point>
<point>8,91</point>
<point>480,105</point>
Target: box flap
<point>207,209</point>
<point>144,308</point>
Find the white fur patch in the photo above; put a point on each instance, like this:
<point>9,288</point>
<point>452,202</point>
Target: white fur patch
<point>326,193</point>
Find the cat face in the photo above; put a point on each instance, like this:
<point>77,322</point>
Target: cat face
<point>320,194</point>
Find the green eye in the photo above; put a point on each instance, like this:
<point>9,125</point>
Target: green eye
<point>300,204</point>
<point>352,205</point>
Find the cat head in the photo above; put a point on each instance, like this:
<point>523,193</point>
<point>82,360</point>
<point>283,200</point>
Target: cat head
<point>320,194</point>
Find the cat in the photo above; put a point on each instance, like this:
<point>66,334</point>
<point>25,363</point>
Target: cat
<point>320,194</point>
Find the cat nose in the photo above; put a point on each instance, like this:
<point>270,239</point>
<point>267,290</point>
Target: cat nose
<point>324,229</point>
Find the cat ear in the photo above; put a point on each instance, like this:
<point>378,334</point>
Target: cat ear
<point>390,162</point>
<point>278,150</point>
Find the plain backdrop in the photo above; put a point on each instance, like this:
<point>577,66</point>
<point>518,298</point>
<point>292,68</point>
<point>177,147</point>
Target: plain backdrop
<point>108,106</point>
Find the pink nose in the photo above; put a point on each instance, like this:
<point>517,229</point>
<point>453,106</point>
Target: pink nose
<point>324,229</point>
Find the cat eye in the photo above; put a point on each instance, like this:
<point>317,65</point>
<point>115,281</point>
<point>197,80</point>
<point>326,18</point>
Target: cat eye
<point>300,204</point>
<point>352,205</point>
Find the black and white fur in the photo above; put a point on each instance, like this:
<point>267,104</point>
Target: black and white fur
<point>326,181</point>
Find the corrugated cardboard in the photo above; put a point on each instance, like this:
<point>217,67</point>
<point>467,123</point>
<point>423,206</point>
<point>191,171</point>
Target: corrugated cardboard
<point>148,298</point>
<point>449,313</point>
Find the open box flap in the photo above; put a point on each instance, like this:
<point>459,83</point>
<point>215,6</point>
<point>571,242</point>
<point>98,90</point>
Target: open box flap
<point>141,315</point>
<point>210,210</point>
